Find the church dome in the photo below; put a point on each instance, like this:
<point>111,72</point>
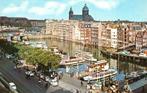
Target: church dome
<point>85,8</point>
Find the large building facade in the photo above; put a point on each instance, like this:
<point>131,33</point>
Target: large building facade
<point>84,17</point>
<point>96,33</point>
<point>83,32</point>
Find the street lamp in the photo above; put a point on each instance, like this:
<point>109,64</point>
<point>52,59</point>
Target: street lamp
<point>110,58</point>
<point>49,65</point>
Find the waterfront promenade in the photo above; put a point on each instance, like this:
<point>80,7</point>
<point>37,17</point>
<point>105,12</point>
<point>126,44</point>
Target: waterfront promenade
<point>72,84</point>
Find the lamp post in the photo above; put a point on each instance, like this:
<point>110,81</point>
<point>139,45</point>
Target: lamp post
<point>110,58</point>
<point>49,65</point>
<point>78,69</point>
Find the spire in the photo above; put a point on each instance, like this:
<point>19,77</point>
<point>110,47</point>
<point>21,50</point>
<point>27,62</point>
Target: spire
<point>70,13</point>
<point>85,8</point>
<point>71,9</point>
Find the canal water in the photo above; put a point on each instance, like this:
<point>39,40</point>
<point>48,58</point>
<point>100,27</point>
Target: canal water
<point>70,48</point>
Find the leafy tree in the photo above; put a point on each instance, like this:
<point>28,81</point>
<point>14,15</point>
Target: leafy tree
<point>33,56</point>
<point>7,47</point>
<point>54,61</point>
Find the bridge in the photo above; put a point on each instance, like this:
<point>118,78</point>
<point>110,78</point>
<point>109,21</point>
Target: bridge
<point>127,47</point>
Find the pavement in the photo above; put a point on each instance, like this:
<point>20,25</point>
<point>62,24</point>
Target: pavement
<point>25,85</point>
<point>72,84</point>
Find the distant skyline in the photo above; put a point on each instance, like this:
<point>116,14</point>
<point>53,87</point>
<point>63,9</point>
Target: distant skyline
<point>101,10</point>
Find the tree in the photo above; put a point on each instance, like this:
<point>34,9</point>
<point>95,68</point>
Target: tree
<point>54,61</point>
<point>8,47</point>
<point>35,56</point>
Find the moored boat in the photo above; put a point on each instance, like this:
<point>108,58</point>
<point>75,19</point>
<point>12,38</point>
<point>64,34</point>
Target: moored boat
<point>98,70</point>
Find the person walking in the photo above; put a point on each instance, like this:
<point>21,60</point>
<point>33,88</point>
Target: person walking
<point>77,91</point>
<point>46,85</point>
<point>81,83</point>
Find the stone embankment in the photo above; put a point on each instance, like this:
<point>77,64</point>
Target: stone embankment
<point>131,58</point>
<point>38,36</point>
<point>43,36</point>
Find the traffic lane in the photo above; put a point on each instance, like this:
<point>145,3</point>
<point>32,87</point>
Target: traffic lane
<point>26,86</point>
<point>12,76</point>
<point>57,90</point>
<point>11,79</point>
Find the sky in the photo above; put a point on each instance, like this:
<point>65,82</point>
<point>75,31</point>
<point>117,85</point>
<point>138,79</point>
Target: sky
<point>101,10</point>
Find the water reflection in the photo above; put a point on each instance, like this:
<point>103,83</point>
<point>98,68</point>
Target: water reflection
<point>71,48</point>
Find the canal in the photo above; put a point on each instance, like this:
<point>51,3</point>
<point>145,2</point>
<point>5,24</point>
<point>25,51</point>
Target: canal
<point>70,48</point>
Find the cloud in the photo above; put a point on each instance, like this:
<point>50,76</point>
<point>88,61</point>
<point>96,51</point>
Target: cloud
<point>73,2</point>
<point>56,7</point>
<point>104,4</point>
<point>53,7</point>
<point>50,8</point>
<point>101,4</point>
<point>12,8</point>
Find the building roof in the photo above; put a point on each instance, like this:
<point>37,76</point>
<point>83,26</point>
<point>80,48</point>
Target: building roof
<point>84,17</point>
<point>77,17</point>
<point>88,18</point>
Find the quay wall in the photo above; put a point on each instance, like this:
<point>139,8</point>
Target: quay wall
<point>38,36</point>
<point>133,59</point>
<point>46,36</point>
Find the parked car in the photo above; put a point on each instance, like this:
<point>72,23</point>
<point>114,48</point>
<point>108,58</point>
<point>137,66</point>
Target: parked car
<point>30,73</point>
<point>54,82</point>
<point>41,76</point>
<point>142,55</point>
<point>12,86</point>
<point>9,56</point>
<point>47,78</point>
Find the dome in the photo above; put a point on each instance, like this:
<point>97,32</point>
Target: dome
<point>85,8</point>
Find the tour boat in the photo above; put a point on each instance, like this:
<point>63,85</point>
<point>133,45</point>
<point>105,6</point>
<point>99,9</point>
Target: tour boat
<point>71,60</point>
<point>99,75</point>
<point>99,69</point>
<point>87,56</point>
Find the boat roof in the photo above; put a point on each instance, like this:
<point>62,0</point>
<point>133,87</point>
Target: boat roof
<point>101,62</point>
<point>98,63</point>
<point>11,83</point>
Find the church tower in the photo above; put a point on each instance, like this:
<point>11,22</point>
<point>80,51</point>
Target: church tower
<point>85,11</point>
<point>70,13</point>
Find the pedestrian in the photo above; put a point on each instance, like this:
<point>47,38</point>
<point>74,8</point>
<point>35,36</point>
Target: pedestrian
<point>49,84</point>
<point>39,81</point>
<point>81,83</point>
<point>46,85</point>
<point>77,91</point>
<point>146,77</point>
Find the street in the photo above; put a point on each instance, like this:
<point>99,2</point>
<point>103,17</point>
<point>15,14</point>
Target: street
<point>25,85</point>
